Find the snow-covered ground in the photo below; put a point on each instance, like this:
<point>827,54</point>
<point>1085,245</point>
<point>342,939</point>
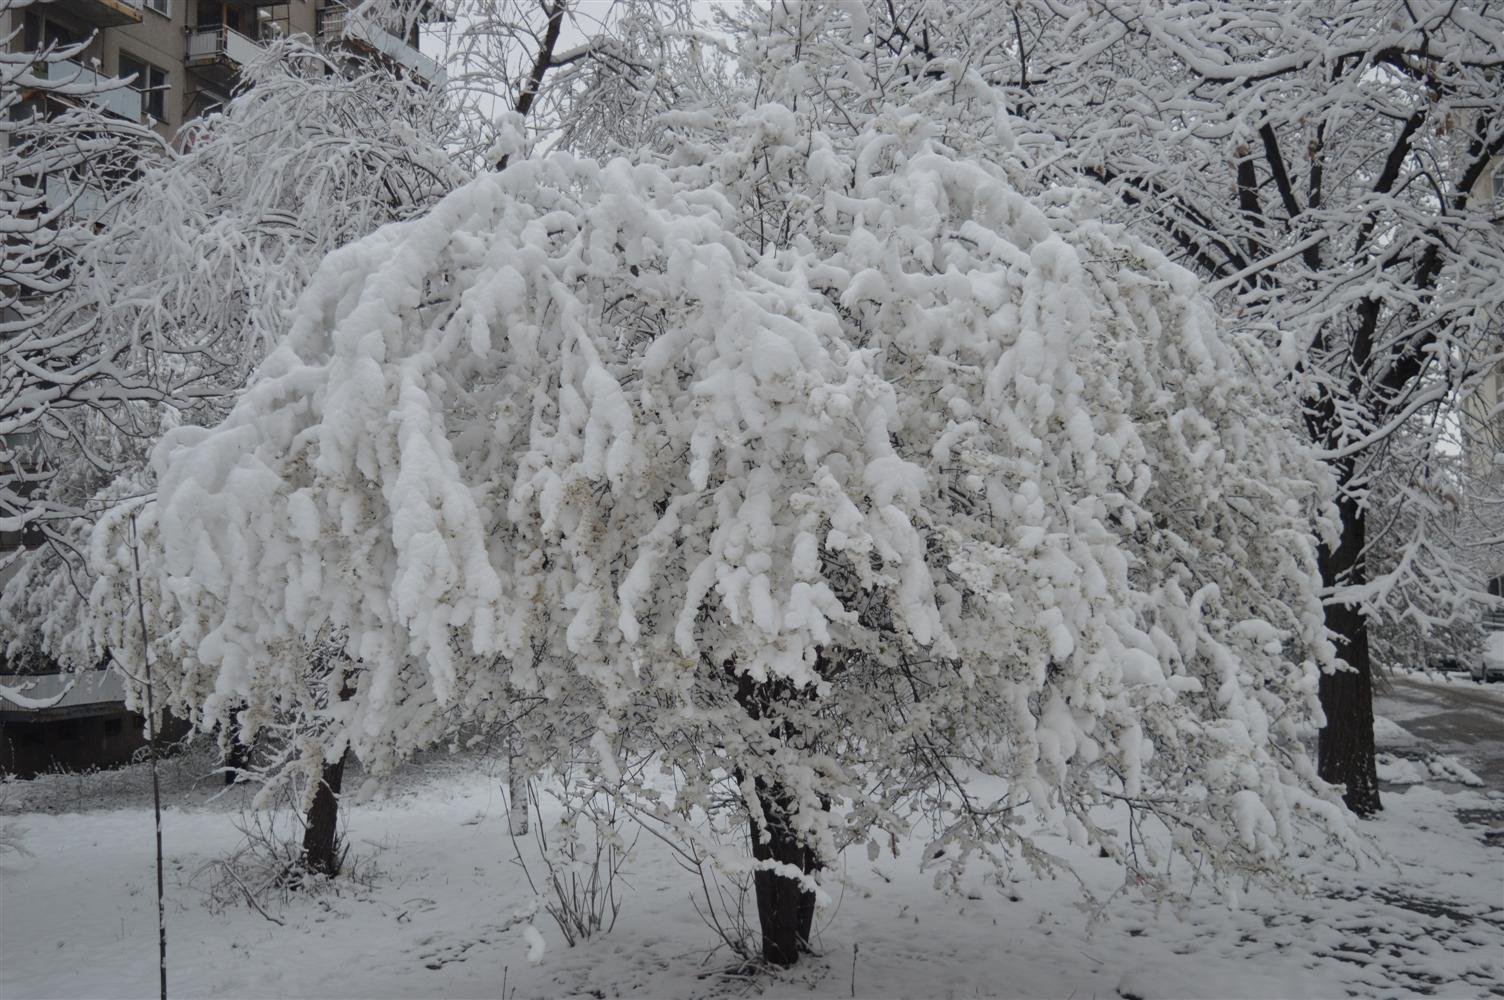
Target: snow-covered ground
<point>1446,717</point>
<point>445,915</point>
<point>1455,681</point>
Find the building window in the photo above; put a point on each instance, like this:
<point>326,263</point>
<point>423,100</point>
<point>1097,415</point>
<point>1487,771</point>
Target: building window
<point>210,103</point>
<point>40,33</point>
<point>150,82</point>
<point>213,13</point>
<point>160,6</point>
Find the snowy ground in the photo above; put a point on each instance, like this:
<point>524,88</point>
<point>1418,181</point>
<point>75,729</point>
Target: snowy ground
<point>441,919</point>
<point>1445,718</point>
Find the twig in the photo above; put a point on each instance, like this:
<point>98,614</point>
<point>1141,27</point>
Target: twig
<point>251,898</point>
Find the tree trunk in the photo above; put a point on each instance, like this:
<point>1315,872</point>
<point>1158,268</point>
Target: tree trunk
<point>320,843</point>
<point>238,756</point>
<point>516,794</point>
<point>1345,750</point>
<point>785,909</point>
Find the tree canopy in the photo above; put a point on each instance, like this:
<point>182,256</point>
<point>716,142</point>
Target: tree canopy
<point>951,484</point>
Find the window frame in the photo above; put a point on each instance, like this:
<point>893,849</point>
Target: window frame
<point>165,8</point>
<point>40,31</point>
<point>152,82</point>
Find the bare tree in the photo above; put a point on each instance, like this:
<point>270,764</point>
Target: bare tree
<point>580,76</point>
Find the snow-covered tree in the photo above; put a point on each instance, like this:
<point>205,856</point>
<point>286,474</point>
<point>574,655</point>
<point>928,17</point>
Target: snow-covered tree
<point>1317,163</point>
<point>210,253</point>
<point>588,76</point>
<point>202,259</point>
<point>945,486</point>
<point>1430,554</point>
<point>201,263</point>
<point>61,158</point>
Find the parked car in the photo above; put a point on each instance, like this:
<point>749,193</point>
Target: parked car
<point>1489,667</point>
<point>1445,665</point>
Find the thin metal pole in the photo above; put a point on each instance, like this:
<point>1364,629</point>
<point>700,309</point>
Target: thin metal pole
<point>151,747</point>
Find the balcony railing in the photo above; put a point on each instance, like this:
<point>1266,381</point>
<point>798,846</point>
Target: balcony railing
<point>118,99</point>
<point>336,23</point>
<point>217,43</point>
<point>84,201</point>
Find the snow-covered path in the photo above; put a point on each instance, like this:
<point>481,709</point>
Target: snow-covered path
<point>1456,716</point>
<point>77,918</point>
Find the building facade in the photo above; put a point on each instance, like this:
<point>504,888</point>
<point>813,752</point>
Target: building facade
<point>1483,422</point>
<point>69,722</point>
<point>184,56</point>
<point>1483,411</point>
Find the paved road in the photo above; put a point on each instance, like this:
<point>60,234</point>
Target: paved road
<point>1465,719</point>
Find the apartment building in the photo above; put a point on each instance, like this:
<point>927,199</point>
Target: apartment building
<point>1483,415</point>
<point>185,56</point>
<point>1483,424</point>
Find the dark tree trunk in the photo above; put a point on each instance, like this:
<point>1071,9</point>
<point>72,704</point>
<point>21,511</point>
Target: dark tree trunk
<point>235,760</point>
<point>1345,750</point>
<point>320,843</point>
<point>785,909</point>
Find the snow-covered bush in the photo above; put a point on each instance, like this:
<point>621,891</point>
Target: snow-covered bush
<point>946,486</point>
<point>582,856</point>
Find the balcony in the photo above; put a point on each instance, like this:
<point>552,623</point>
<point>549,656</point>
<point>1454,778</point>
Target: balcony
<point>107,13</point>
<point>335,24</point>
<point>217,53</point>
<point>83,201</point>
<point>119,100</point>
